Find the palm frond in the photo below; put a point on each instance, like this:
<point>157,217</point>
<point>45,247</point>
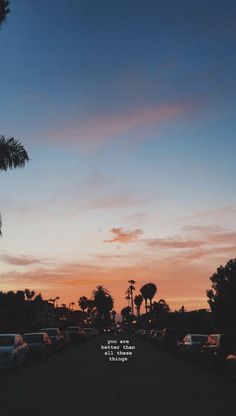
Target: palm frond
<point>4,9</point>
<point>12,154</point>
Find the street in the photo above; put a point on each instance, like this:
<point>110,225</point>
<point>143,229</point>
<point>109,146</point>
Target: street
<point>82,381</point>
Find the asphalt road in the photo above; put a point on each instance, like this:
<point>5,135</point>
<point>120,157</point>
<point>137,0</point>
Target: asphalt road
<point>82,381</point>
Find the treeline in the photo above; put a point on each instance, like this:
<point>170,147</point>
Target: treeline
<point>23,309</point>
<point>221,300</point>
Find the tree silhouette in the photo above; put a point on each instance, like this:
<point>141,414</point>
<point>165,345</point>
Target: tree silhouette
<point>4,10</point>
<point>148,291</point>
<point>12,155</point>
<point>113,313</point>
<point>125,313</point>
<point>103,303</point>
<point>131,288</point>
<point>29,294</point>
<point>83,303</point>
<point>222,296</point>
<point>160,308</point>
<point>138,300</point>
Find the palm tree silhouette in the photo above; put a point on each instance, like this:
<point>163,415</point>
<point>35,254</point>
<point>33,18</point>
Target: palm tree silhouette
<point>4,9</point>
<point>148,291</point>
<point>71,305</point>
<point>103,303</point>
<point>12,155</point>
<point>83,303</point>
<point>125,313</point>
<point>131,289</point>
<point>138,300</point>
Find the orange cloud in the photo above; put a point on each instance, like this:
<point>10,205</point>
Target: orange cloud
<point>124,237</point>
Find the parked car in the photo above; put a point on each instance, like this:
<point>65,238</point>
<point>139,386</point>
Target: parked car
<point>89,332</point>
<point>13,350</point>
<point>150,335</point>
<point>217,348</point>
<point>191,344</point>
<point>230,365</point>
<point>55,336</point>
<point>66,338</point>
<point>156,335</point>
<point>168,338</point>
<point>145,333</point>
<point>76,334</point>
<point>40,346</point>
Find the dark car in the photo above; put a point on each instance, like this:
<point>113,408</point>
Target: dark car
<point>217,348</point>
<point>230,366</point>
<point>191,344</point>
<point>76,334</point>
<point>55,336</point>
<point>66,338</point>
<point>168,338</point>
<point>156,335</point>
<point>40,346</point>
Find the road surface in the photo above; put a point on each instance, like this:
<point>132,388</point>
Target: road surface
<point>82,381</point>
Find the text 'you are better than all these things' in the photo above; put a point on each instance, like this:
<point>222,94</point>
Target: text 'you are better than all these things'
<point>118,350</point>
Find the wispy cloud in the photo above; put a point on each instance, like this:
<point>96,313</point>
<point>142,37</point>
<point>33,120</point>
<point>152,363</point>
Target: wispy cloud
<point>20,260</point>
<point>101,129</point>
<point>124,237</point>
<point>175,243</point>
<point>217,212</point>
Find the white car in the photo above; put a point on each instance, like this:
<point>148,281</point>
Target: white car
<point>13,350</point>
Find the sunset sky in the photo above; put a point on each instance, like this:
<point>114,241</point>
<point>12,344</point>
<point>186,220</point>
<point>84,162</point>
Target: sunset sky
<point>127,111</point>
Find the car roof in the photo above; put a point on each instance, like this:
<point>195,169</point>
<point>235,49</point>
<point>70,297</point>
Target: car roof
<point>9,335</point>
<point>35,333</point>
<point>44,329</point>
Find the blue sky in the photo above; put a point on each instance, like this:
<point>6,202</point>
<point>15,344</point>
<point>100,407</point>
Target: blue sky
<point>127,110</point>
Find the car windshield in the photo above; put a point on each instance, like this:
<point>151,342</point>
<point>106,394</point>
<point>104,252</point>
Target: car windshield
<point>7,340</point>
<point>50,332</point>
<point>199,338</point>
<point>33,337</point>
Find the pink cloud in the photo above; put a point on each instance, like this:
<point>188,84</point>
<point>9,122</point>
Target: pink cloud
<point>19,260</point>
<point>124,237</point>
<point>175,243</point>
<point>100,129</point>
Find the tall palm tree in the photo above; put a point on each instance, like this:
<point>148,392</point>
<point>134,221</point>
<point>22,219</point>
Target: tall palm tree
<point>148,291</point>
<point>144,292</point>
<point>12,155</point>
<point>131,289</point>
<point>138,300</point>
<point>4,9</point>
